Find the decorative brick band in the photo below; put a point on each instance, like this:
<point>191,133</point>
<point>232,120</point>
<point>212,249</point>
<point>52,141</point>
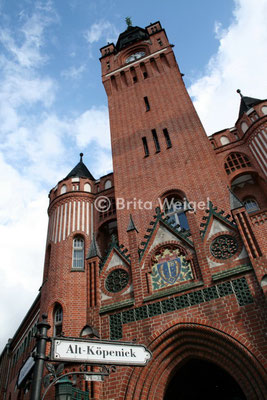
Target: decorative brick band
<point>239,287</point>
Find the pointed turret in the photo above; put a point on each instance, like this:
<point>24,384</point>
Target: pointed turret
<point>246,103</point>
<point>80,170</point>
<point>93,249</point>
<point>131,225</point>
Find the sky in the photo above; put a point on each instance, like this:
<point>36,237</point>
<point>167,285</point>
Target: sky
<point>53,105</point>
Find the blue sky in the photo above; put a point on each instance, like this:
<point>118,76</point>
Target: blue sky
<point>53,105</point>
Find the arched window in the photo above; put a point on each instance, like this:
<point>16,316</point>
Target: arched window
<point>244,127</point>
<point>87,187</point>
<point>58,319</point>
<point>108,184</point>
<point>224,140</point>
<point>236,161</point>
<point>251,205</point>
<point>173,207</point>
<point>78,253</point>
<point>63,189</point>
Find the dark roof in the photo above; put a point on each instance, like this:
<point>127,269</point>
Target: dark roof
<point>93,249</point>
<point>131,35</point>
<point>235,202</point>
<point>131,225</point>
<point>246,103</point>
<point>80,170</point>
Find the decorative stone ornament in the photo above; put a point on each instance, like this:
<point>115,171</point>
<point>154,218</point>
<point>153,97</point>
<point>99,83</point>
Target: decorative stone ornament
<point>224,247</point>
<point>117,280</point>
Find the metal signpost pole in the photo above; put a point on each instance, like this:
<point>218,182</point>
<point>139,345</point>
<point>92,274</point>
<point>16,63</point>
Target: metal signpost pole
<point>40,357</point>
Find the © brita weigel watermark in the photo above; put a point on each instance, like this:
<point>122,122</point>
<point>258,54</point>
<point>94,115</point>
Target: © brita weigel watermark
<point>103,204</point>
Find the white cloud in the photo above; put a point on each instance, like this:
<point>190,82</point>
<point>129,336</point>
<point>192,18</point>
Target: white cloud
<point>35,148</point>
<point>73,72</point>
<point>93,125</point>
<point>22,235</point>
<point>100,30</point>
<point>240,62</point>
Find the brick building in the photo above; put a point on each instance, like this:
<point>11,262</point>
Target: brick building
<point>168,251</point>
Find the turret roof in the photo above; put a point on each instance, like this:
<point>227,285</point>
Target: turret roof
<point>80,170</point>
<point>246,103</point>
<point>131,35</point>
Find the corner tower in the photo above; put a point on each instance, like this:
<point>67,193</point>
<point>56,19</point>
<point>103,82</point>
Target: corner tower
<point>159,145</point>
<point>65,290</point>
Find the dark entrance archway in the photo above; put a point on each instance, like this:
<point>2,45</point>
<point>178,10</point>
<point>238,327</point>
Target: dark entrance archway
<point>200,379</point>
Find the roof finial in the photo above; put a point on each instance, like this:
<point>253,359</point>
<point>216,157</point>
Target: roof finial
<point>81,157</point>
<point>128,21</point>
<point>239,92</point>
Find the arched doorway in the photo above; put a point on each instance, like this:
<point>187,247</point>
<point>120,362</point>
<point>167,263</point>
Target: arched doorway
<point>173,349</point>
<point>200,379</point>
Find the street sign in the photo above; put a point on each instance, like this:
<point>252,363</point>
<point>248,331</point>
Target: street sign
<point>99,352</point>
<point>95,378</point>
<point>25,370</point>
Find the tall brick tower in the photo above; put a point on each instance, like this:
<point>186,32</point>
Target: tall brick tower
<point>70,231</point>
<point>159,145</point>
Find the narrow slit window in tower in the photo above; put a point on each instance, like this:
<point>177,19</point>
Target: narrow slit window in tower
<point>147,103</point>
<point>145,146</point>
<point>167,138</point>
<point>156,140</point>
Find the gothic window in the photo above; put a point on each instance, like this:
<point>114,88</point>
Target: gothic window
<point>236,161</point>
<point>108,184</point>
<point>87,187</point>
<point>63,189</point>
<point>58,319</point>
<point>175,213</point>
<point>251,205</point>
<point>78,253</point>
<point>224,140</point>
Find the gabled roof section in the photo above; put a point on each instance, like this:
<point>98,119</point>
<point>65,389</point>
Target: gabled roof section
<point>131,35</point>
<point>120,249</point>
<point>159,218</point>
<point>80,170</point>
<point>212,212</point>
<point>246,103</point>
